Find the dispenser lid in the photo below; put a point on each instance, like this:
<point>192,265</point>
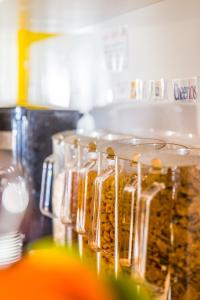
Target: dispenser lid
<point>103,142</point>
<point>100,137</point>
<point>59,137</point>
<point>115,136</point>
<point>140,140</point>
<point>97,134</point>
<point>128,149</point>
<point>171,158</point>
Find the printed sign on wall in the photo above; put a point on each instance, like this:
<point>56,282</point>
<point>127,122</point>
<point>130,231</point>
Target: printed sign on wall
<point>137,90</point>
<point>186,89</point>
<point>157,89</point>
<point>115,45</point>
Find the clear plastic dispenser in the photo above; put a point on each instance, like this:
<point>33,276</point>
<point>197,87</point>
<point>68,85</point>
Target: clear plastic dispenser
<point>112,227</point>
<point>59,187</point>
<point>87,175</point>
<point>129,156</point>
<point>84,160</point>
<point>167,258</point>
<point>68,210</point>
<point>65,152</point>
<point>102,237</point>
<point>52,186</point>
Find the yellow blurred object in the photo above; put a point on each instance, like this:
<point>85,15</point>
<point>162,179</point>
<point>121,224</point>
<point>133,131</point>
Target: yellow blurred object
<point>26,38</point>
<point>51,274</point>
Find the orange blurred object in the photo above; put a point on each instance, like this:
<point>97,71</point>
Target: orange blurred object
<point>50,274</point>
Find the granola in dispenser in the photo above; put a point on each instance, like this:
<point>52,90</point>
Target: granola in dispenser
<point>106,207</point>
<point>59,229</point>
<point>127,209</point>
<point>185,258</point>
<point>85,194</point>
<point>155,210</point>
<point>107,216</point>
<point>69,202</point>
<point>87,176</point>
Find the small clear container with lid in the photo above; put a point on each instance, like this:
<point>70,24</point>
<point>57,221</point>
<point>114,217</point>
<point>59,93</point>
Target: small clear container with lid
<point>161,209</point>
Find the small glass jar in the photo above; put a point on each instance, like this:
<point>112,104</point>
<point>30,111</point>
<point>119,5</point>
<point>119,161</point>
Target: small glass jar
<point>14,200</point>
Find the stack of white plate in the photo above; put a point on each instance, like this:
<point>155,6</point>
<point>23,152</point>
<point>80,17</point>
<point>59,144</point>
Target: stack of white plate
<point>10,248</point>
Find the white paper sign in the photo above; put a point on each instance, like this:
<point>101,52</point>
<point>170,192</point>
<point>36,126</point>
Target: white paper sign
<point>157,89</point>
<point>115,44</point>
<point>186,89</point>
<point>137,90</point>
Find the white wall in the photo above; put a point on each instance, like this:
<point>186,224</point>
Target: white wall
<point>8,53</point>
<point>8,67</point>
<point>164,41</point>
<point>70,71</point>
<point>49,81</point>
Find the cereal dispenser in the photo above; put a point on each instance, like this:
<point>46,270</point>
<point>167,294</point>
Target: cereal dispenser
<point>184,260</point>
<point>56,180</point>
<point>167,228</point>
<point>103,221</point>
<point>129,156</point>
<point>70,199</point>
<point>84,163</point>
<point>53,181</point>
<point>87,174</point>
<point>114,201</point>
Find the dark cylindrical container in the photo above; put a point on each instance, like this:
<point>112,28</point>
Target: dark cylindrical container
<point>27,132</point>
<point>10,131</point>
